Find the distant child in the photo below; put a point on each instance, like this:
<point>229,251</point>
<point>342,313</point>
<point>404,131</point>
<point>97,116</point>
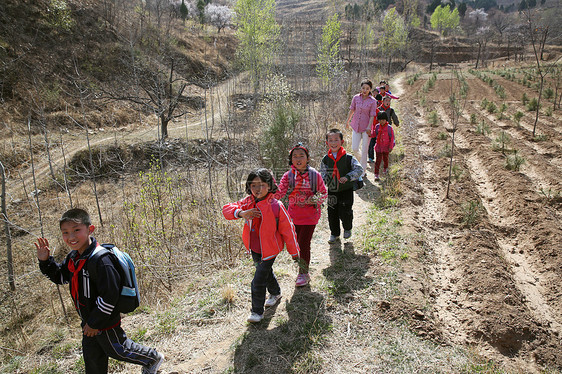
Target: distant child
<point>373,140</point>
<point>306,191</point>
<point>384,90</point>
<point>94,299</point>
<point>385,107</point>
<point>266,231</point>
<point>339,170</point>
<point>362,111</point>
<point>384,134</point>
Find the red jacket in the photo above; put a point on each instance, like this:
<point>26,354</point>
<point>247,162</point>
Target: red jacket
<point>275,232</point>
<point>301,213</point>
<point>385,138</point>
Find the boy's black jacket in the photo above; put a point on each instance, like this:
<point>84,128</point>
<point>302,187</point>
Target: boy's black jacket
<point>96,298</point>
<point>344,167</point>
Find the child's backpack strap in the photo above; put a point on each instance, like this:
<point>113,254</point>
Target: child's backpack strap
<point>312,178</point>
<point>292,178</point>
<point>388,128</point>
<point>275,209</point>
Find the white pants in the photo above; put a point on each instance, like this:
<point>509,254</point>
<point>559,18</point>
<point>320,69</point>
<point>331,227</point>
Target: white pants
<point>356,139</point>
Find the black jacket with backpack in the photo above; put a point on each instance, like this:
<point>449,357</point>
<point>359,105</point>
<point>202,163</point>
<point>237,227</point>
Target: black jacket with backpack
<point>96,298</point>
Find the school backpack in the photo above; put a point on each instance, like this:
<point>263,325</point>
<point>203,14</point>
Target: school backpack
<point>312,177</point>
<point>389,131</point>
<point>358,183</point>
<point>129,298</point>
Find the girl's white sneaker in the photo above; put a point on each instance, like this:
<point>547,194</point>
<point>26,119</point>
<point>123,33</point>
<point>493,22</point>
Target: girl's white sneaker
<point>255,318</point>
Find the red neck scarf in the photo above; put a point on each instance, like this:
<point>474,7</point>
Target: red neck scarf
<point>298,186</point>
<point>341,153</point>
<point>75,270</point>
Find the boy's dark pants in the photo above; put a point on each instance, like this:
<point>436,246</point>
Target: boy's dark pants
<point>372,148</point>
<point>340,207</point>
<point>115,344</point>
<point>263,279</point>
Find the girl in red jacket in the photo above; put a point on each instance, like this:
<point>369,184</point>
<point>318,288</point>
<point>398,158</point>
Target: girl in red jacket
<point>266,231</point>
<point>306,191</point>
<point>384,133</point>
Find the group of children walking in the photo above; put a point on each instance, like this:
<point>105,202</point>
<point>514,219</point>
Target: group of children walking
<point>371,119</point>
<point>269,227</point>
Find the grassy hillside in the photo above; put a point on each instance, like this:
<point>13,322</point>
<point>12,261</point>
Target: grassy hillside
<point>57,60</point>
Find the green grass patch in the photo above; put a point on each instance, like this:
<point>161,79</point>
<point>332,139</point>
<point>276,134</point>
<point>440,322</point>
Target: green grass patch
<point>383,235</point>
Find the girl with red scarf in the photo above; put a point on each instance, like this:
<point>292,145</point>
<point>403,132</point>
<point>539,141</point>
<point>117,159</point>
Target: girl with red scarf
<point>305,191</point>
<point>385,142</point>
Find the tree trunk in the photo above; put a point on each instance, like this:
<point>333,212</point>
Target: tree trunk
<point>478,56</point>
<point>538,104</point>
<point>388,68</point>
<point>9,259</point>
<point>164,126</point>
<point>543,42</point>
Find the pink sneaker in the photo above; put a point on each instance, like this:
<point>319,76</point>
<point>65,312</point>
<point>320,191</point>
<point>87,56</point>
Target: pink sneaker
<point>302,280</point>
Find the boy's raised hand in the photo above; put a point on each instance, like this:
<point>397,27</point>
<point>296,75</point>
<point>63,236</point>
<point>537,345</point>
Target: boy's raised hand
<point>43,251</point>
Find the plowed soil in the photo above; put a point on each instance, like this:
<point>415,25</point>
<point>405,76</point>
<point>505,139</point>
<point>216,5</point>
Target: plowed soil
<point>495,284</point>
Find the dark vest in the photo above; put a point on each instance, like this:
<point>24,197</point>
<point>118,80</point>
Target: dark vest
<point>389,112</point>
<point>344,166</point>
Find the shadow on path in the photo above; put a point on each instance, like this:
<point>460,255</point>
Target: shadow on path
<point>287,345</point>
<point>346,272</point>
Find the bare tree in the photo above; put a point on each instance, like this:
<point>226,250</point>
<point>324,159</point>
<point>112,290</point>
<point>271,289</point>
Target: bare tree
<point>36,196</point>
<point>160,92</point>
<point>457,101</point>
<point>9,259</point>
<point>534,36</point>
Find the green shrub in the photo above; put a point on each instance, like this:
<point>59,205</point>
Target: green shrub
<point>442,136</point>
<point>433,118</point>
<point>548,93</point>
<point>445,151</point>
<point>472,210</point>
<point>484,103</point>
<point>473,119</point>
<point>482,128</point>
<point>491,108</point>
<point>501,142</point>
<point>517,116</point>
<point>524,99</point>
<point>533,105</point>
<point>514,162</point>
<point>540,138</point>
<point>548,111</point>
<point>457,172</point>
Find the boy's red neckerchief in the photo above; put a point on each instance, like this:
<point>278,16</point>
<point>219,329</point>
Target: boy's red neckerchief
<point>341,153</point>
<point>75,270</point>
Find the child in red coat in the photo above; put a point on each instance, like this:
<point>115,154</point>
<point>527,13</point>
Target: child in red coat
<point>306,191</point>
<point>384,133</point>
<point>266,231</point>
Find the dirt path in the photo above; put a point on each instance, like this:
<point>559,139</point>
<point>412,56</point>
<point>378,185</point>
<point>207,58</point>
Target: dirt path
<point>214,347</point>
<point>74,142</point>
